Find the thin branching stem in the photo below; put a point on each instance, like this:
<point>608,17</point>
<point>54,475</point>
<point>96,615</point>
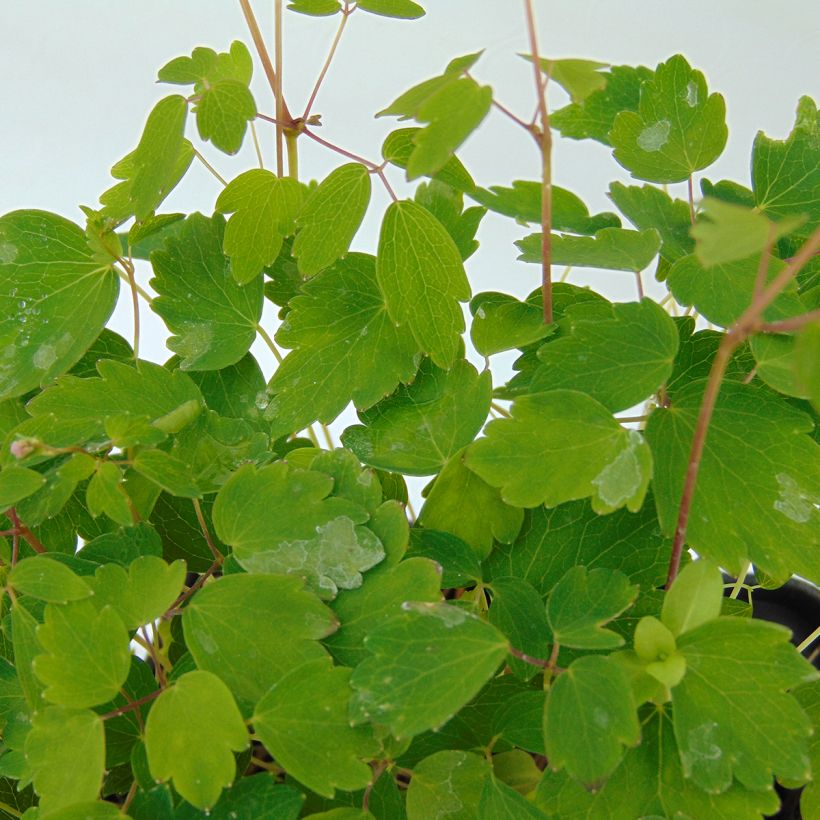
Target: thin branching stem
<point>256,145</point>
<point>690,184</point>
<point>277,91</point>
<point>203,525</point>
<point>129,707</point>
<point>33,541</point>
<point>210,167</point>
<point>346,12</point>
<point>270,343</point>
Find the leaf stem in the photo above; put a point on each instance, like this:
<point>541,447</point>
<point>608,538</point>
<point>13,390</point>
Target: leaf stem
<point>10,809</point>
<point>23,530</point>
<point>291,138</point>
<point>548,664</point>
<point>346,12</point>
<point>502,411</point>
<point>256,145</point>
<point>328,437</point>
<point>143,293</point>
<point>129,797</point>
<point>203,525</point>
<point>194,587</point>
<point>790,324</point>
<point>277,91</point>
<point>135,303</point>
<point>805,644</point>
<point>129,707</point>
<point>210,167</point>
<point>269,342</point>
<point>509,114</point>
<point>691,188</point>
<point>740,581</point>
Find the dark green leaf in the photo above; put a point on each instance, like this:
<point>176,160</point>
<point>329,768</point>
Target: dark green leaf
<point>176,522</point>
<point>123,546</point>
<point>501,802</point>
<point>234,391</point>
<point>48,580</point>
<point>258,797</point>
<point>519,720</point>
<point>404,9</point>
<point>449,781</point>
<point>168,472</point>
<point>458,561</point>
<point>108,345</point>
<point>399,146</point>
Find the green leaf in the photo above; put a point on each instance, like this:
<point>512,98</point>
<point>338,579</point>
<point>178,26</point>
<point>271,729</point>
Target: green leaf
<point>448,784</point>
<point>105,493</point>
<point>303,722</point>
<point>807,362</point>
<point>679,127</point>
<point>123,546</point>
<point>315,8</point>
<point>176,523</point>
<point>212,318</point>
<point>66,751</point>
<point>776,363</point>
<point>650,207</point>
<point>425,665</point>
<point>399,146</point>
<point>522,202</point>
<point>404,9</point>
<point>808,696</point>
<point>753,504</point>
<point>501,322</point>
<point>330,217</point>
<point>205,66</point>
<point>589,717</point>
<point>61,481</point>
<point>222,114</point>
<point>458,561</point>
<point>694,598</point>
<point>26,647</point>
<point>582,602</point>
<point>419,427</point>
<point>451,105</point>
<point>279,519</point>
<point>609,248</point>
<point>168,472</point>
<point>786,173</point>
<point>338,327</point>
<point>526,455</point>
<point>258,797</point>
<point>464,505</point>
<point>519,720</point>
<point>264,208</point>
<point>86,656</point>
<point>447,205</point>
<point>192,730</point>
<point>48,276</point>
<point>737,667</point>
<point>553,541</point>
<point>252,630</point>
<point>594,117</point>
<point>384,590</point>
<point>17,483</point>
<point>143,593</point>
<point>619,359</point>
<point>518,611</point>
<point>47,579</point>
<point>420,272</point>
<point>501,802</point>
<point>579,78</point>
<point>721,293</point>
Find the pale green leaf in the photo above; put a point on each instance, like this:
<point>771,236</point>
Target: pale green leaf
<point>777,363</point>
<point>447,784</point>
<point>192,730</point>
<point>501,322</point>
<point>579,78</point>
<point>26,648</point>
<point>419,427</point>
<point>315,8</point>
<point>49,580</point>
<point>17,483</point>
<point>447,205</point>
<point>105,492</point>
<point>694,598</point>
<point>206,66</point>
<point>403,9</point>
<point>399,146</point>
<point>679,127</point>
<point>212,318</point>
<point>420,272</point>
<point>48,276</point>
<point>222,114</point>
<point>526,455</point>
<point>807,362</point>
<point>61,481</point>
<point>425,664</point>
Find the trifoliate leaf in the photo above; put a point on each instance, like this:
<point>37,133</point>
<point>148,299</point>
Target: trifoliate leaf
<point>579,78</point>
<point>526,455</point>
<point>721,293</point>
<point>464,505</point>
<point>501,322</point>
<point>264,208</point>
<point>452,105</point>
<point>338,327</point>
<point>419,427</point>
<point>330,217</point>
<point>447,205</point>
<point>736,667</point>
<point>303,722</point>
<point>49,580</point>
<point>421,275</point>
<point>589,717</point>
<point>66,752</point>
<point>523,203</point>
<point>447,784</point>
<point>502,802</point>
<point>679,127</point>
<point>786,173</point>
<point>192,730</point>
<point>399,146</point>
<point>143,593</point>
<point>252,630</point>
<point>206,66</point>
<point>212,318</point>
<point>426,663</point>
<point>281,520</point>
<point>753,504</point>
<point>593,118</point>
<point>384,590</point>
<point>610,248</point>
<point>620,361</point>
<point>86,654</point>
<point>582,602</point>
<point>223,112</point>
<point>650,207</point>
<point>404,9</point>
<point>694,598</point>
<point>17,483</point>
<point>48,276</point>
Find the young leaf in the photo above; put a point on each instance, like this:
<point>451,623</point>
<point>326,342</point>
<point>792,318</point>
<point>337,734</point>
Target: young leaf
<point>252,630</point>
<point>398,147</point>
<point>419,427</point>
<point>303,722</point>
<point>502,802</point>
<point>769,517</point>
<point>426,663</point>
<point>48,276</point>
<point>448,781</point>
<point>421,275</point>
<point>192,730</point>
<point>209,334</point>
<point>525,455</point>
<point>589,717</point>
<point>338,327</point>
<point>264,208</point>
<point>447,205</point>
<point>694,599</point>
<point>86,656</point>
<point>737,667</point>
<point>464,505</point>
<point>501,322</point>
<point>581,603</point>
<point>49,580</point>
<point>17,483</point>
<point>66,752</point>
<point>404,9</point>
<point>579,78</point>
<point>679,127</point>
<point>222,114</point>
<point>315,8</point>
